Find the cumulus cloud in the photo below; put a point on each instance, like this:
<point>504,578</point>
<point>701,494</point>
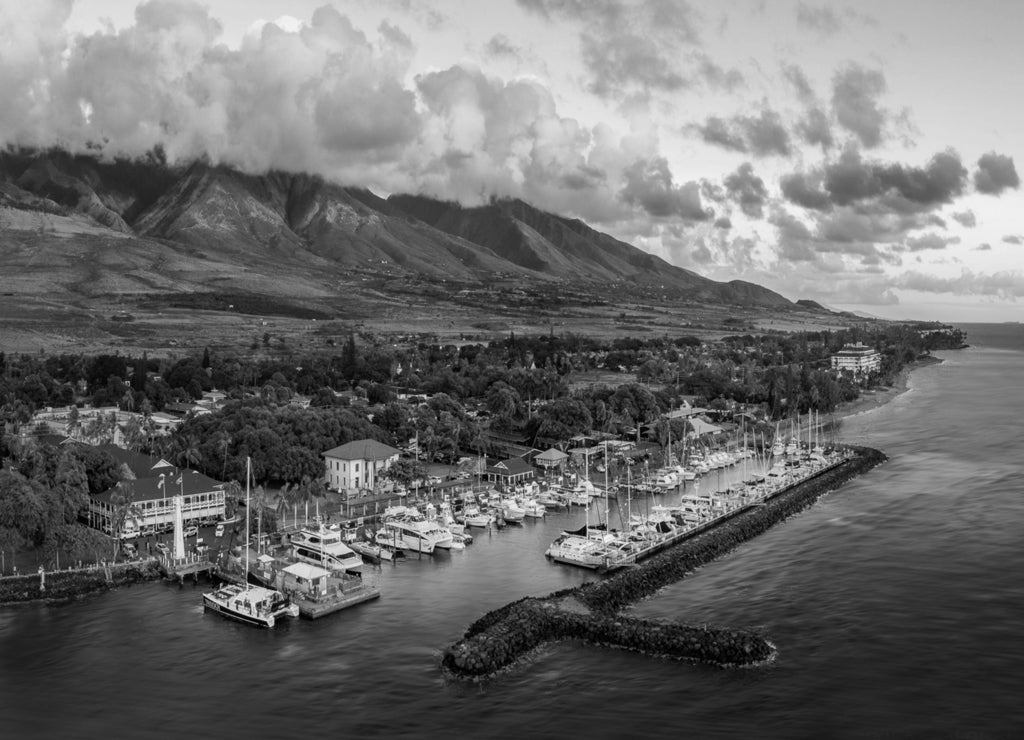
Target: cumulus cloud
<point>747,190</point>
<point>855,93</point>
<point>723,222</point>
<point>983,247</point>
<point>995,174</point>
<point>761,135</point>
<point>820,18</point>
<point>499,45</point>
<point>805,190</point>
<point>930,241</point>
<point>1007,285</point>
<point>166,80</point>
<point>815,128</point>
<point>341,107</point>
<point>966,218</point>
<point>721,133</point>
<point>851,179</point>
<point>649,184</point>
<point>630,47</point>
<point>1013,239</point>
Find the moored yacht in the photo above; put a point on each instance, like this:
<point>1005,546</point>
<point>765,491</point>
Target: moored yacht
<point>324,547</point>
<point>408,529</point>
<point>250,604</point>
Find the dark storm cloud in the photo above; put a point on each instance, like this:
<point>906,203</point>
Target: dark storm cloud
<point>855,93</point>
<point>995,174</point>
<point>723,222</point>
<point>747,190</point>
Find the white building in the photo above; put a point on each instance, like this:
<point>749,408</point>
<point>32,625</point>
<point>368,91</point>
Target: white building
<point>150,503</point>
<point>857,358</point>
<point>358,464</point>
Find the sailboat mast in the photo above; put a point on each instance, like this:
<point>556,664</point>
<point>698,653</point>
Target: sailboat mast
<point>248,475</point>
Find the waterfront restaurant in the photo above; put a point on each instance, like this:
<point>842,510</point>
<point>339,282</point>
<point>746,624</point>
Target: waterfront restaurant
<point>510,473</point>
<point>150,503</point>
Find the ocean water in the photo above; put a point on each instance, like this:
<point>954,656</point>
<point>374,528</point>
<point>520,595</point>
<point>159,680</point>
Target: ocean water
<point>896,605</point>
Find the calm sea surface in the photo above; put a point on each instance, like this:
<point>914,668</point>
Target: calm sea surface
<point>897,605</point>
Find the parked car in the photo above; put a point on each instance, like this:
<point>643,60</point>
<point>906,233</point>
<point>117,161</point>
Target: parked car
<point>129,549</point>
<point>434,480</point>
<point>191,531</point>
<point>162,548</point>
<point>219,532</point>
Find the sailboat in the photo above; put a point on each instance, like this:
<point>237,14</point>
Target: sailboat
<point>256,605</point>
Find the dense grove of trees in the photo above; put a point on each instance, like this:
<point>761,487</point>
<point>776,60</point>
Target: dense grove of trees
<point>519,385</point>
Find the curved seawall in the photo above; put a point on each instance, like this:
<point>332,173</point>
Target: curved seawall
<point>590,612</point>
<point>63,585</point>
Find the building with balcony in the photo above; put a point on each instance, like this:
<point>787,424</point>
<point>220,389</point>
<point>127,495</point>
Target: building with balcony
<point>857,358</point>
<point>149,503</point>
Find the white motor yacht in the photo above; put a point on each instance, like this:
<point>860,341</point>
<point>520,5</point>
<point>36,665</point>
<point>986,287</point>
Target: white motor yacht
<point>324,547</point>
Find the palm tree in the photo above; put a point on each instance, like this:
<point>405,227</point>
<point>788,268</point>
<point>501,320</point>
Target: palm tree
<point>188,453</point>
<point>125,510</point>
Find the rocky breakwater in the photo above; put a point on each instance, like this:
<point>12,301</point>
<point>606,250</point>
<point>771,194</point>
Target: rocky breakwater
<point>591,612</point>
<point>65,585</point>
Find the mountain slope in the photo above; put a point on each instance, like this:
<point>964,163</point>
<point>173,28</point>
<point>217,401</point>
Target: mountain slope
<point>572,250</point>
<point>286,225</point>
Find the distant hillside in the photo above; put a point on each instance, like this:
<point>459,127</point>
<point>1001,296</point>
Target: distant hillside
<point>570,249</point>
<point>278,228</point>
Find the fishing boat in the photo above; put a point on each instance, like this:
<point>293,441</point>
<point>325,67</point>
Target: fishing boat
<point>256,605</point>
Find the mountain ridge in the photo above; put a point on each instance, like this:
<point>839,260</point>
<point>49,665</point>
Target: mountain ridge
<point>281,223</point>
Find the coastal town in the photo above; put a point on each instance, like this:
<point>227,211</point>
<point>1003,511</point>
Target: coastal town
<point>296,481</point>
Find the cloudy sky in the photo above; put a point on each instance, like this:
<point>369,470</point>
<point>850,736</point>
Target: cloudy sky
<point>861,154</point>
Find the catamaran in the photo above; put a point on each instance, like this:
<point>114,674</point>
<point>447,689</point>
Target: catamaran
<point>254,605</point>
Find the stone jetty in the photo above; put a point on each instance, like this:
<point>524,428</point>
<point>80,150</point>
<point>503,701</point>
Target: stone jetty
<point>591,612</point>
<point>65,585</point>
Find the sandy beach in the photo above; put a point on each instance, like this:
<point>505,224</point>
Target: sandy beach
<point>880,396</point>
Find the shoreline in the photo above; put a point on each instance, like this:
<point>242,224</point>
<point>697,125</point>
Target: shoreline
<point>881,396</point>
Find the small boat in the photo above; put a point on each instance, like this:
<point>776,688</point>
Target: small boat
<point>534,509</point>
<point>371,551</point>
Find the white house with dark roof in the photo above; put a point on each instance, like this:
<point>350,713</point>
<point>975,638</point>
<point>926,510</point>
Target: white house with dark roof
<point>358,464</point>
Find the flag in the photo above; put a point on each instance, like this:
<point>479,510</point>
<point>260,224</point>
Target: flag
<point>160,481</point>
<point>178,482</point>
